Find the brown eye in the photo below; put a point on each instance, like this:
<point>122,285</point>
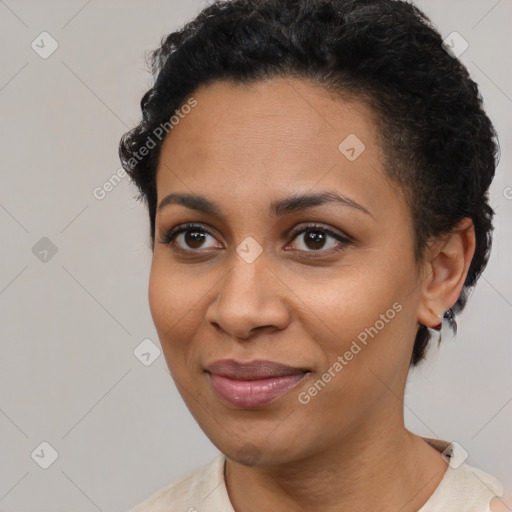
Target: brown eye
<point>316,238</point>
<point>194,238</point>
<point>189,237</point>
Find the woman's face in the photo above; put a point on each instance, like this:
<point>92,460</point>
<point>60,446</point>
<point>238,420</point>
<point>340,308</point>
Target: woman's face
<point>340,315</point>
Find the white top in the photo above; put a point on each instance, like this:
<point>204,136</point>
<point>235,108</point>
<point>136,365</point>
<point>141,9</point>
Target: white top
<point>462,489</point>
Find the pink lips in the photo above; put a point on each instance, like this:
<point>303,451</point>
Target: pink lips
<point>252,384</point>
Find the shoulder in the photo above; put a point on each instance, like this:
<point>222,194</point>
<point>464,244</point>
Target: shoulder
<point>463,488</point>
<point>203,486</point>
<point>467,488</point>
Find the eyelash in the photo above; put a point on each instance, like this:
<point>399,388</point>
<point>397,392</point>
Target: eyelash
<point>169,236</point>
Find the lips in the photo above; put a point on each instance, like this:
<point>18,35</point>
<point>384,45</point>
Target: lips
<point>252,384</point>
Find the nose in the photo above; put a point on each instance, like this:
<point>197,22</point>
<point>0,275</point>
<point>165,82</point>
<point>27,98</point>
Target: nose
<point>250,297</point>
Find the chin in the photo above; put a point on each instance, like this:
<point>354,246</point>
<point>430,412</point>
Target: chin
<point>258,450</point>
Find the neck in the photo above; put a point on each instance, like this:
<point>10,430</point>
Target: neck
<point>385,468</point>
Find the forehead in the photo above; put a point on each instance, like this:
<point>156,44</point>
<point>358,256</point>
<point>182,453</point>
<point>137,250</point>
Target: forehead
<point>282,135</point>
<point>286,115</point>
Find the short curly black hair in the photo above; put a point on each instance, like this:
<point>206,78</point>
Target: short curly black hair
<point>441,147</point>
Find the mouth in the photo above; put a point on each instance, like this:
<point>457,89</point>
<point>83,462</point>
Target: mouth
<point>254,383</point>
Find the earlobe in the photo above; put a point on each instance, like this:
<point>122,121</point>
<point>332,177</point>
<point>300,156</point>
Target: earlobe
<point>447,264</point>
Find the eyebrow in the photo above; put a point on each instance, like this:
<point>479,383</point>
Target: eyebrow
<point>279,207</point>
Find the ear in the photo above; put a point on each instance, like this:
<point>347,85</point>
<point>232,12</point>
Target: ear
<point>446,267</point>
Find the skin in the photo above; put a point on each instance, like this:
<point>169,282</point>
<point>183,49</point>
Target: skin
<point>347,449</point>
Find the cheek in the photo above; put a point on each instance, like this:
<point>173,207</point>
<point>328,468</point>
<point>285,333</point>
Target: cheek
<point>159,295</point>
<point>168,301</point>
<point>363,351</point>
<point>350,299</point>
<point>365,305</point>
<point>175,301</point>
<point>172,294</point>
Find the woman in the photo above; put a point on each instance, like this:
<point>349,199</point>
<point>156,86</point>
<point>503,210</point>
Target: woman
<point>316,174</point>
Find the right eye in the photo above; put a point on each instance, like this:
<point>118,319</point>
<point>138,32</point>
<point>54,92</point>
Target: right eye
<point>191,235</point>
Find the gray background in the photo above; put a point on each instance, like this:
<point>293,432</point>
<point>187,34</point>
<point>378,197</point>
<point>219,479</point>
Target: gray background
<point>70,323</point>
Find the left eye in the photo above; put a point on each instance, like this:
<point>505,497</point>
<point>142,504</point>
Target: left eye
<point>315,238</point>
